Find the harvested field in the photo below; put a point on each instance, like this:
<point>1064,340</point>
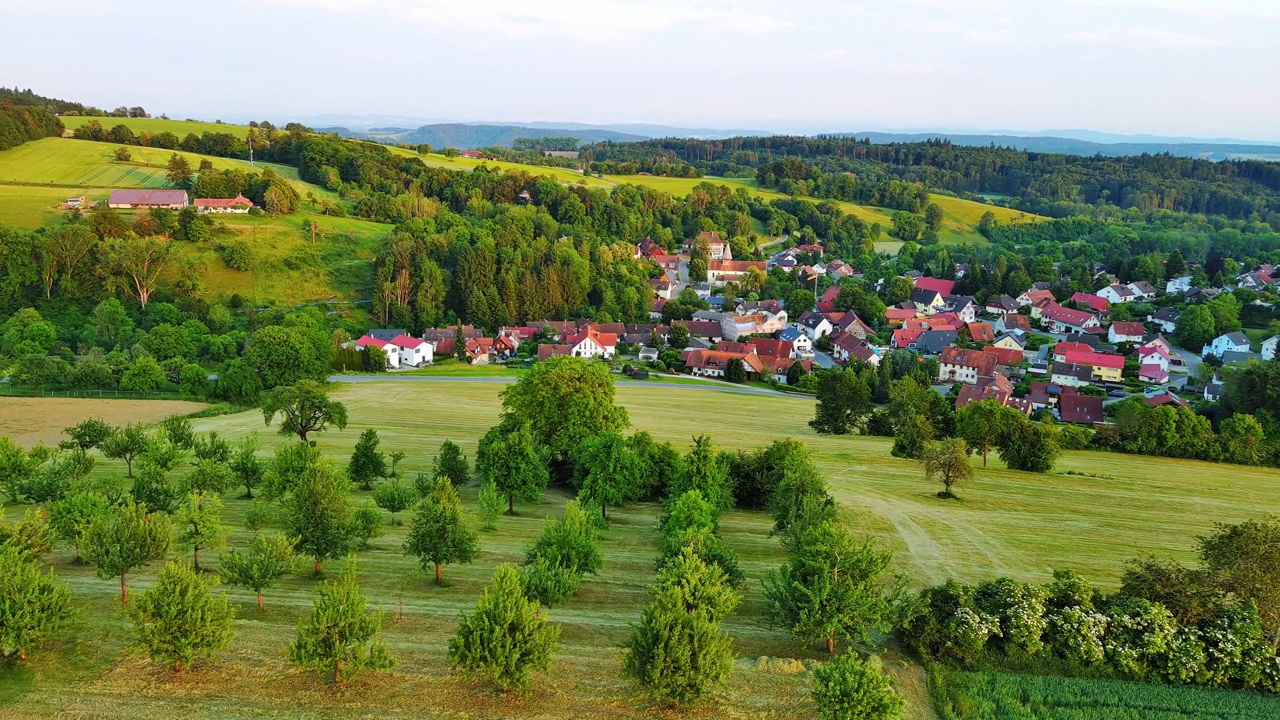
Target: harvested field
<point>28,421</point>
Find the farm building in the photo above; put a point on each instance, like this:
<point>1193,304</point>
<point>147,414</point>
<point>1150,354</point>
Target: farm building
<point>238,204</point>
<point>147,199</point>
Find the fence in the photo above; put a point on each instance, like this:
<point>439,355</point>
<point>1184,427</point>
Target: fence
<point>9,391</point>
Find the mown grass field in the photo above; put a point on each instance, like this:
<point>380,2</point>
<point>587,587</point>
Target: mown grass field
<point>157,125</point>
<point>28,421</point>
<point>1007,523</point>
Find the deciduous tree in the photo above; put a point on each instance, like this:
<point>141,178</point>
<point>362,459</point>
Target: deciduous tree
<point>126,444</point>
<point>442,532</point>
<point>268,558</point>
<point>452,463</point>
<point>200,525</point>
<point>317,511</point>
<point>126,538</point>
<point>513,461</point>
<point>394,497</point>
<point>565,400</point>
<point>844,402</point>
<point>609,469</point>
<point>367,464</point>
<point>948,461</point>
<point>305,408</point>
<point>134,265</point>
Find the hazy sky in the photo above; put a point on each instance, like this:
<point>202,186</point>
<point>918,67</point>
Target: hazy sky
<point>1174,67</point>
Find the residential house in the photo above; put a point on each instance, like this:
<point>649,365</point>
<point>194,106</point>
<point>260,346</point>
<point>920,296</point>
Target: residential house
<point>1106,367</point>
<point>669,263</point>
<point>773,307</point>
<point>591,343</point>
<point>720,272</point>
<point>966,366</point>
<point>663,287</point>
<point>549,351</point>
<point>386,334</point>
<point>436,335</point>
<point>1227,342</point>
<point>1154,356</point>
<point>77,201</point>
<point>849,346</point>
<point>898,316</point>
<point>1213,390</point>
<point>1258,280</point>
<point>1143,290</point>
<point>1125,332</point>
<point>927,301</point>
<point>814,325</point>
<point>714,363</point>
<point>147,199</point>
<point>414,352</point>
<point>1095,303</point>
<point>480,349</point>
<point>965,307</point>
<point>1080,409</point>
<point>777,367</point>
<point>647,354</point>
<point>1060,319</point>
<point>710,331</point>
<point>827,303</point>
<point>1167,398</point>
<point>1037,308</point>
<point>1003,305</point>
<point>1034,295</point>
<point>1047,395</point>
<point>904,338</point>
<point>1015,340</point>
<point>471,155</point>
<point>1007,358</point>
<point>771,347</point>
<point>1178,285</point>
<point>981,332</point>
<point>839,269</point>
<point>392,351</point>
<point>736,326</point>
<point>1165,319</point>
<point>1153,374</point>
<point>939,285</point>
<point>996,388</point>
<point>647,248</point>
<point>717,248</point>
<point>1117,294</point>
<point>1061,373</point>
<point>237,205</point>
<point>1012,323</point>
<point>932,342</point>
<point>801,345</point>
<point>1269,347</point>
<point>849,322</point>
<point>1234,357</point>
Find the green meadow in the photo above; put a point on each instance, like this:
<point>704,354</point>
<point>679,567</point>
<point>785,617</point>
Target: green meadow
<point>158,125</point>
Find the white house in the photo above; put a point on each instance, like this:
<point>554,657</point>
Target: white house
<point>1269,347</point>
<point>814,325</point>
<point>1143,290</point>
<point>414,352</point>
<point>1125,332</point>
<point>964,306</point>
<point>801,345</point>
<point>1178,285</point>
<point>1117,294</point>
<point>1153,355</point>
<point>392,351</point>
<point>1228,342</point>
<point>590,343</point>
<point>1165,319</point>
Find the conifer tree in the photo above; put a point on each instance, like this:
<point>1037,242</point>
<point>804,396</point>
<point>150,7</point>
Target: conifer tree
<point>678,651</point>
<point>179,620</point>
<point>506,637</point>
<point>340,639</point>
<point>568,549</point>
<point>442,532</point>
<point>452,463</point>
<point>33,604</point>
<point>367,464</point>
<point>268,558</point>
<point>126,538</point>
<point>200,525</point>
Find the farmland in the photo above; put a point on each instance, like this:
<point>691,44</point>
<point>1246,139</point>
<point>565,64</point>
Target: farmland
<point>159,125</point>
<point>28,421</point>
<point>1007,523</point>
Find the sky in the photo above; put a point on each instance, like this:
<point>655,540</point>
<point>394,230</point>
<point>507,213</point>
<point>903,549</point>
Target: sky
<point>1202,68</point>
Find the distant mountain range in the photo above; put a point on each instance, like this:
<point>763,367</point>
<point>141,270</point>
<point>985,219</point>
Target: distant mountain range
<point>464,136</point>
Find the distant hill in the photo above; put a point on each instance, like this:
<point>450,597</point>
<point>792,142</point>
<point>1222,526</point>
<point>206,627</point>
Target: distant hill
<point>1205,150</point>
<point>464,136</point>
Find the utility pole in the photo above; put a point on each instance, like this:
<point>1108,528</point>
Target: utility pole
<point>249,137</point>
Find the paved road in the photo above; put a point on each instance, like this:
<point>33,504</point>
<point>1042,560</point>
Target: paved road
<point>726,387</point>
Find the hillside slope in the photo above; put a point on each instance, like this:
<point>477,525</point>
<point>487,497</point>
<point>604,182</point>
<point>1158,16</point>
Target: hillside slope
<point>464,136</point>
<point>158,125</point>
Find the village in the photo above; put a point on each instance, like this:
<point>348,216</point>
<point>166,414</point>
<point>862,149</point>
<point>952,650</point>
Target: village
<point>1032,352</point>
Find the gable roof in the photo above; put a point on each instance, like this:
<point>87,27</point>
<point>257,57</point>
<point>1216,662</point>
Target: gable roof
<point>1129,328</point>
<point>405,341</point>
<point>1095,359</point>
<point>984,363</point>
<point>147,197</point>
<point>1079,372</point>
<point>1081,409</point>
<point>1007,357</point>
<point>237,201</point>
<point>925,296</point>
<point>769,347</point>
<point>1097,302</point>
<point>938,285</point>
<point>1166,314</point>
<point>1067,316</point>
<point>550,351</point>
<point>1004,302</point>
<point>981,332</point>
<point>933,341</point>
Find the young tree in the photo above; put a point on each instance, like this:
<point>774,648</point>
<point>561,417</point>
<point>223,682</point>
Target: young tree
<point>506,637</point>
<point>848,688</point>
<point>513,461</point>
<point>704,470</point>
<point>89,434</point>
<point>491,505</point>
<point>317,511</point>
<point>366,524</point>
<point>144,376</point>
<point>305,407</point>
<point>179,620</point>
<point>209,476</point>
<point>948,461</point>
<point>832,589</point>
<point>153,490</point>
<point>200,524</point>
<point>367,464</point>
<point>442,532</point>
<point>981,424</point>
<point>33,603</point>
<point>177,429</point>
<point>569,543</point>
<point>394,497</point>
<point>71,516</point>
<point>914,432</point>
<point>844,402</point>
<point>246,466</point>
<point>452,463</point>
<point>610,470</point>
<point>269,558</point>
<point>119,541</point>
<point>340,639</point>
<point>678,651</point>
<point>126,444</point>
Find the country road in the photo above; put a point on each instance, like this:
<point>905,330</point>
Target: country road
<point>727,388</point>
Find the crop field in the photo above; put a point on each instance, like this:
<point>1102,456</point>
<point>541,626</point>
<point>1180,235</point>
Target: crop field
<point>28,421</point>
<point>73,164</point>
<point>982,695</point>
<point>1007,522</point>
<point>157,125</point>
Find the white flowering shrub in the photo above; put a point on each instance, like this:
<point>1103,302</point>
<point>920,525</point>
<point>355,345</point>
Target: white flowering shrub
<point>1076,634</point>
<point>1138,635</point>
<point>1020,610</point>
<point>945,623</point>
<point>1236,652</point>
<point>1185,660</point>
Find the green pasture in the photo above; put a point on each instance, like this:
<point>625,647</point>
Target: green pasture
<point>157,125</point>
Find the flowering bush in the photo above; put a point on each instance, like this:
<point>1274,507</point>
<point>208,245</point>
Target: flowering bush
<point>946,624</point>
<point>1138,635</point>
<point>1076,634</point>
<point>1020,610</point>
<point>1185,660</point>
